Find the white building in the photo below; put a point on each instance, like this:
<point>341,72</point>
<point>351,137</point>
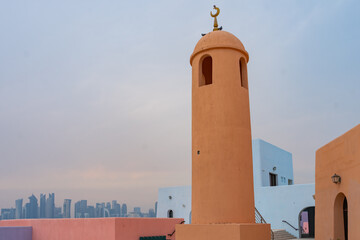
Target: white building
<point>282,204</point>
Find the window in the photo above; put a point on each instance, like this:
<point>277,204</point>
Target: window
<point>243,73</point>
<point>206,71</point>
<point>273,179</point>
<point>170,214</point>
<point>290,182</point>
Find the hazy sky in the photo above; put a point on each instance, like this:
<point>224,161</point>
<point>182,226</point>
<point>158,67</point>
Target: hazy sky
<point>95,96</point>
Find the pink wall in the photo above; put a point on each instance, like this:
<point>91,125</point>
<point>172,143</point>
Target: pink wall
<point>97,228</point>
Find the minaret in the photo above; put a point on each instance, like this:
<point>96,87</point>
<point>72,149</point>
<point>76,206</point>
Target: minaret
<point>222,173</point>
<point>222,176</point>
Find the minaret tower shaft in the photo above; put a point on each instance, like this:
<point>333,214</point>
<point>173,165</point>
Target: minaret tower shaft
<point>222,175</point>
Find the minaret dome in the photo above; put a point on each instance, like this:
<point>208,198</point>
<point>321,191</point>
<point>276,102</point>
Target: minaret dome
<point>219,39</point>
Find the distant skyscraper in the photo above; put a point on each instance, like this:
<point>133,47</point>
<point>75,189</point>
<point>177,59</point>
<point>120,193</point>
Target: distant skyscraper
<point>27,211</point>
<point>151,213</point>
<point>108,206</point>
<point>156,203</point>
<point>42,206</point>
<point>18,206</point>
<point>8,213</point>
<point>90,212</point>
<point>57,212</point>
<point>137,210</point>
<point>32,207</point>
<point>83,207</point>
<point>124,210</point>
<point>80,208</point>
<point>77,213</point>
<point>118,210</point>
<point>115,209</point>
<point>99,211</point>
<point>67,208</point>
<point>113,204</point>
<point>50,206</point>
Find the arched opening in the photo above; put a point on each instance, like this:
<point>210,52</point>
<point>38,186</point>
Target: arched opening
<point>205,71</point>
<point>170,214</point>
<point>341,217</point>
<point>307,223</point>
<point>243,73</point>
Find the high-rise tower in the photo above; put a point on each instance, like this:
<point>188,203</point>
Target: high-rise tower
<point>32,209</point>
<point>67,208</point>
<point>50,206</point>
<point>42,207</point>
<point>222,174</point>
<point>19,208</point>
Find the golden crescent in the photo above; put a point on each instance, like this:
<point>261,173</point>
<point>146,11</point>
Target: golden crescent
<point>217,12</point>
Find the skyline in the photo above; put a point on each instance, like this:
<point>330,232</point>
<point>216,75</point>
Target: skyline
<point>95,98</point>
<point>60,201</point>
<point>47,209</point>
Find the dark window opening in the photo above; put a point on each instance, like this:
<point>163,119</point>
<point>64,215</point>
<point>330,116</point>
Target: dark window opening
<point>290,182</point>
<point>243,73</point>
<point>273,179</point>
<point>206,71</point>
<point>170,214</point>
<point>345,216</point>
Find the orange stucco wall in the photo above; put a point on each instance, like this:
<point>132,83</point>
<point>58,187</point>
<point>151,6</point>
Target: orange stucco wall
<point>97,228</point>
<point>340,156</point>
<point>222,175</point>
<point>224,231</point>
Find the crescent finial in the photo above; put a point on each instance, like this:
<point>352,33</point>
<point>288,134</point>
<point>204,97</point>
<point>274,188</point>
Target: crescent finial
<point>216,26</point>
<point>217,12</point>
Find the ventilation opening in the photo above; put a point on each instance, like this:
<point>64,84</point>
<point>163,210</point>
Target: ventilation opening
<point>206,71</point>
<point>243,73</point>
<point>170,214</point>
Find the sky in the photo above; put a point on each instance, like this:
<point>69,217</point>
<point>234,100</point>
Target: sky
<point>95,96</point>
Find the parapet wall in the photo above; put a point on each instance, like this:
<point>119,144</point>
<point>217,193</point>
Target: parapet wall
<point>96,228</point>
